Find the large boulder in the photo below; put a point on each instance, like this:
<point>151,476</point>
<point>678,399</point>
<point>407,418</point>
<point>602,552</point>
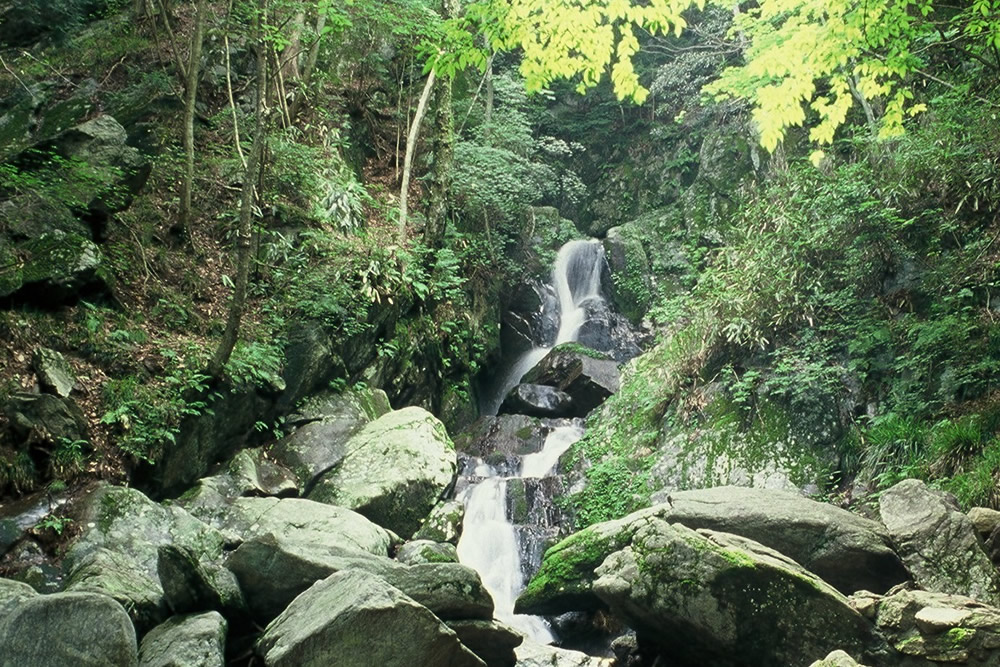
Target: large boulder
<point>538,400</point>
<point>186,641</point>
<point>443,524</point>
<point>847,551</point>
<point>67,630</point>
<point>117,554</point>
<point>294,520</point>
<point>837,658</point>
<point>250,472</point>
<point>273,572</point>
<point>934,628</point>
<point>427,551</point>
<point>11,593</point>
<point>190,585</point>
<point>355,619</point>
<point>395,470</point>
<point>708,597</point>
<point>937,542</point>
<point>325,423</point>
<point>46,417</point>
<point>61,267</point>
<point>588,376</point>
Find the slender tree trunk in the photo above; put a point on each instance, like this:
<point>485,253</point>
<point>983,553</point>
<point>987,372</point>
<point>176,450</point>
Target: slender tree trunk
<point>244,232</point>
<point>310,65</point>
<point>183,227</point>
<point>411,145</point>
<point>444,156</point>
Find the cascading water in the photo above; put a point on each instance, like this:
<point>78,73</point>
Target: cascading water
<point>489,542</point>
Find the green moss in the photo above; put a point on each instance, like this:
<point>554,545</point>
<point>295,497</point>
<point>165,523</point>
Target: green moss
<point>959,637</point>
<point>577,348</point>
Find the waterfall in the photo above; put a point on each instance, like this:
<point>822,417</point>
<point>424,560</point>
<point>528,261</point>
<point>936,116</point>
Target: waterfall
<point>489,542</point>
<point>576,277</point>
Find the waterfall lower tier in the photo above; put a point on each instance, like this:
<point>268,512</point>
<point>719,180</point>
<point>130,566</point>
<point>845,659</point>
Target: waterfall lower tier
<point>490,543</point>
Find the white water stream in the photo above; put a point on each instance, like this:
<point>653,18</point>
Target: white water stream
<point>489,542</point>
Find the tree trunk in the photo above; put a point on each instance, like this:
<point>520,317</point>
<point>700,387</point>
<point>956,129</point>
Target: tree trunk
<point>444,157</point>
<point>244,232</point>
<point>411,145</point>
<point>182,228</point>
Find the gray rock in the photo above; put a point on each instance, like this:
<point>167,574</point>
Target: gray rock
<point>716,598</point>
<point>28,216</point>
<point>45,416</point>
<point>532,654</point>
<point>358,620</point>
<point>54,374</point>
<point>273,572</point>
<point>325,424</point>
<point>443,524</point>
<point>67,629</point>
<point>11,593</point>
<point>538,400</point>
<point>493,642</point>
<point>117,554</point>
<point>427,551</point>
<point>248,473</point>
<point>395,471</point>
<point>190,585</point>
<point>295,520</point>
<point>985,520</point>
<point>849,552</point>
<point>589,377</point>
<point>938,543</point>
<point>186,641</point>
<point>11,278</point>
<point>933,628</point>
<point>503,435</point>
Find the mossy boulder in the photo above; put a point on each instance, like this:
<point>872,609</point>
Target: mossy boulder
<point>62,266</point>
<point>395,470</point>
<point>323,426</point>
<point>195,640</point>
<point>427,551</point>
<point>443,524</point>
<point>117,554</point>
<point>708,597</point>
<point>67,630</point>
<point>587,376</point>
<point>630,287</point>
<point>847,551</point>
<point>357,620</point>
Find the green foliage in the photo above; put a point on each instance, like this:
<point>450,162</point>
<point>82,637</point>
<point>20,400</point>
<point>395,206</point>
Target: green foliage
<point>57,523</point>
<point>67,458</point>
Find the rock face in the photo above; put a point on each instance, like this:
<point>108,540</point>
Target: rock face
<point>67,630</point>
<point>934,628</point>
<point>845,550</point>
<point>324,425</point>
<point>938,543</point>
<point>355,619</point>
<point>588,377</point>
<point>394,472</point>
<point>11,593</point>
<point>186,641</point>
<point>538,400</point>
<point>531,654</point>
<point>117,555</point>
<point>190,585</point>
<point>725,600</point>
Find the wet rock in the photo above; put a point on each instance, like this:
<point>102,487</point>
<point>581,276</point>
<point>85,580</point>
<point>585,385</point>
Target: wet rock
<point>532,654</point>
<point>525,325</point>
<point>531,501</point>
<point>538,400</point>
<point>186,641</point>
<point>443,524</point>
<point>938,543</point>
<point>396,469</point>
<point>360,620</point>
<point>936,627</point>
<point>493,642</point>
<point>117,554</point>
<point>325,424</point>
<point>606,331</point>
<point>587,376</point>
<point>427,551</point>
<point>67,630</point>
<point>503,435</point>
<point>190,585</point>
<point>845,550</point>
<point>708,597</point>
<point>294,520</point>
<point>54,374</point>
<point>44,416</point>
